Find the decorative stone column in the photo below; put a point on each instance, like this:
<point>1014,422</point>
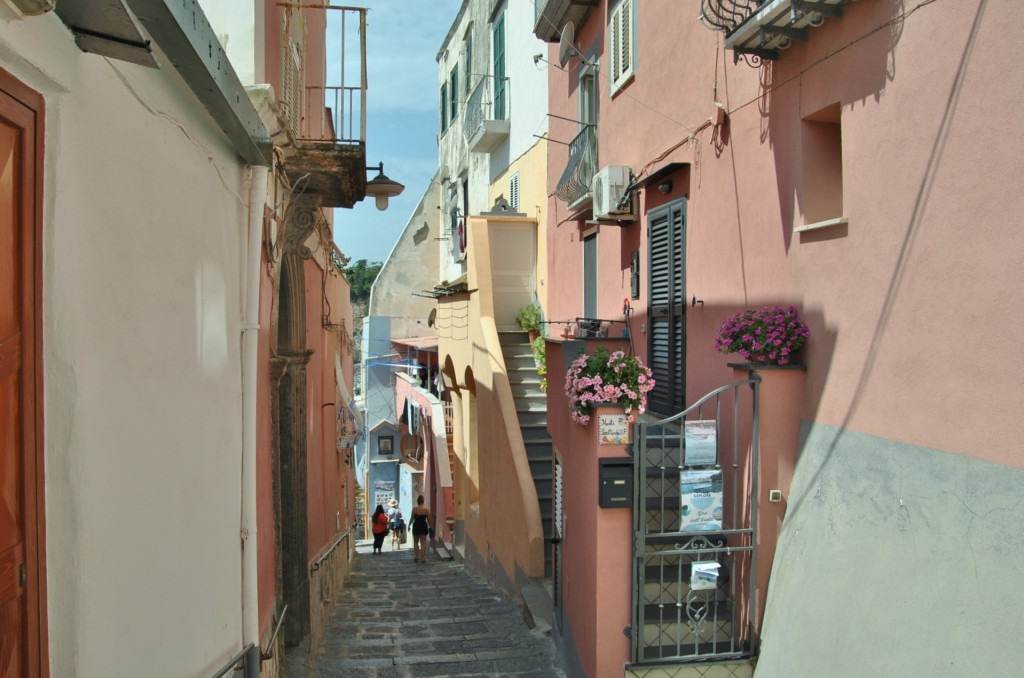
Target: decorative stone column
<point>288,417</point>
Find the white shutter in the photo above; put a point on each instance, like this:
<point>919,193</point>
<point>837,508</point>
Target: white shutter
<point>513,192</point>
<point>621,45</point>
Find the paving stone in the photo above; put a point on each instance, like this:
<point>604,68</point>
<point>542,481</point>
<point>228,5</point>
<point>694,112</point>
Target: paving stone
<point>397,619</point>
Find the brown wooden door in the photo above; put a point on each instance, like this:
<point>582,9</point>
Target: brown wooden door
<point>20,521</point>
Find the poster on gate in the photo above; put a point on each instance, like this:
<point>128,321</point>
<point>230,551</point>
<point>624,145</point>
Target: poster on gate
<point>383,492</point>
<point>701,438</point>
<point>700,508</point>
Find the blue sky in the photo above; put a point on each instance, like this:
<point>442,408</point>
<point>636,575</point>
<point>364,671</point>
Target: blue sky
<point>403,37</point>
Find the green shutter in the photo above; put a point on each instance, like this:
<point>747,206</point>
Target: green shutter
<point>444,107</point>
<point>498,48</point>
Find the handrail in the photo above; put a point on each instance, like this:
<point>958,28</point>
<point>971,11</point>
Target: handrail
<point>232,664</point>
<point>315,565</point>
<point>269,654</point>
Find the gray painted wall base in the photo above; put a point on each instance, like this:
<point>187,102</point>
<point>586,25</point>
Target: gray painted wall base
<point>895,560</point>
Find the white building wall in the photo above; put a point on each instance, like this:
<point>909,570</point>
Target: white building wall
<point>455,162</point>
<point>410,271</point>
<point>528,86</point>
<point>143,231</point>
<point>235,23</point>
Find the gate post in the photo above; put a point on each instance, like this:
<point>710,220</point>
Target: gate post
<point>781,398</point>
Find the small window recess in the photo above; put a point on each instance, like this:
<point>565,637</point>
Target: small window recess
<point>821,194</point>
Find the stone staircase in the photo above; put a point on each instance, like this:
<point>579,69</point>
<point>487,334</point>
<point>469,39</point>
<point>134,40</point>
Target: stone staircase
<point>532,410</point>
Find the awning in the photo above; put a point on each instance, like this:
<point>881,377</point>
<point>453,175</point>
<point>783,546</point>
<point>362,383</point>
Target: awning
<point>419,343</point>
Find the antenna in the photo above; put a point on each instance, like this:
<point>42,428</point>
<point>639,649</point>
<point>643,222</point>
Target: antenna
<point>566,50</point>
<point>565,46</point>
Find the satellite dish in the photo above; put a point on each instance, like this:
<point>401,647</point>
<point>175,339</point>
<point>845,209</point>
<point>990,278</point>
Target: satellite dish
<point>565,46</point>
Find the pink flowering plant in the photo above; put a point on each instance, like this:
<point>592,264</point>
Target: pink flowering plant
<point>603,378</point>
<point>768,337</point>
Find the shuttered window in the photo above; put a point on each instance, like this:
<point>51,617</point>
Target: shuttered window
<point>469,63</point>
<point>513,192</point>
<point>666,228</point>
<point>444,107</point>
<point>622,47</point>
<point>453,93</point>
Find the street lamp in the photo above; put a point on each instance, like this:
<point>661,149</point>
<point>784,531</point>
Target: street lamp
<point>382,188</point>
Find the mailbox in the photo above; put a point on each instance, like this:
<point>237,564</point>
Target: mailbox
<point>616,482</point>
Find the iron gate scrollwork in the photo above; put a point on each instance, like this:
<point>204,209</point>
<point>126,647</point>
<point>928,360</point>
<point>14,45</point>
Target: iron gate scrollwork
<point>694,524</point>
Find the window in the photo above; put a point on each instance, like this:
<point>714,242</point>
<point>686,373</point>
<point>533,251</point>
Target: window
<point>498,54</point>
<point>513,192</point>
<point>821,140</point>
<point>621,43</point>
<point>454,88</point>
<point>588,96</point>
<point>590,275</point>
<point>444,107</point>
<point>456,225</point>
<point>667,323</point>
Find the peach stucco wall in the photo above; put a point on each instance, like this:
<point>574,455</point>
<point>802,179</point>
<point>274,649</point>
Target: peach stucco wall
<point>532,168</point>
<point>910,299</point>
<point>497,501</point>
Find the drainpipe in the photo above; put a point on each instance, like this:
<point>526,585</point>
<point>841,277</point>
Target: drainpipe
<point>250,343</point>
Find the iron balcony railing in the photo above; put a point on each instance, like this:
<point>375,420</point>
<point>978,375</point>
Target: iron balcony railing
<point>579,172</point>
<point>762,28</point>
<point>480,106</point>
<point>323,82</point>
<point>726,15</point>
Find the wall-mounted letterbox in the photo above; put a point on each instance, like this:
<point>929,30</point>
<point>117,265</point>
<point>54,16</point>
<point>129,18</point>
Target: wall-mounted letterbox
<point>616,482</point>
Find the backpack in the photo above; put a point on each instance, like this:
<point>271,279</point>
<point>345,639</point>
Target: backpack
<point>396,521</point>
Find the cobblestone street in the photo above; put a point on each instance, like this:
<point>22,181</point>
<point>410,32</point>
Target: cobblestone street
<point>398,619</point>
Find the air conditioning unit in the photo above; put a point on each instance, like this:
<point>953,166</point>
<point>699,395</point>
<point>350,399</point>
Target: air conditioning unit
<point>609,188</point>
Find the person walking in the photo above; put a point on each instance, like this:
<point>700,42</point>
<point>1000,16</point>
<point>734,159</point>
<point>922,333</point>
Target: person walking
<point>420,522</point>
<point>397,524</point>
<point>379,527</point>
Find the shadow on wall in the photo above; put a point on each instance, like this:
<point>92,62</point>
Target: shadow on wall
<point>847,60</point>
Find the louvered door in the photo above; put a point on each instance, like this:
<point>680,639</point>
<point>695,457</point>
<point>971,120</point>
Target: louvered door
<point>667,322</point>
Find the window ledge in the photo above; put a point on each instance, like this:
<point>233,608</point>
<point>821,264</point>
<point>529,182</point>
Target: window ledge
<point>840,221</point>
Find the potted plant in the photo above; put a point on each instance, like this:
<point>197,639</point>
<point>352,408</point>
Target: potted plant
<point>540,358</point>
<point>529,318</point>
<point>607,378</point>
<point>769,336</point>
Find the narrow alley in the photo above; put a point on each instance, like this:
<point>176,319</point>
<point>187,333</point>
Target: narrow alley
<point>398,619</point>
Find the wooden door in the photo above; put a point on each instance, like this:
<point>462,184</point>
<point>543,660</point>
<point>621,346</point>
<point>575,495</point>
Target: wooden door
<point>21,608</point>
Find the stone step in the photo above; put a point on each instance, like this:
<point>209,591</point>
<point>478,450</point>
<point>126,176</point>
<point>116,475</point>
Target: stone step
<point>396,617</point>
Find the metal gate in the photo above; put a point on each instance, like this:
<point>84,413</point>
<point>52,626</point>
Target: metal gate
<point>693,530</point>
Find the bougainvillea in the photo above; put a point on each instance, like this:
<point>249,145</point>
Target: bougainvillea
<point>769,336</point>
<point>604,378</point>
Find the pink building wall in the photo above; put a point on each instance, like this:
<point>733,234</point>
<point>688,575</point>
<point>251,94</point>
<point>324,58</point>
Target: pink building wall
<point>908,413</point>
<point>923,191</point>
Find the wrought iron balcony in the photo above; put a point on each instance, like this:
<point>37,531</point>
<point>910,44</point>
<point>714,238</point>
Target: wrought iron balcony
<point>322,94</point>
<point>550,16</point>
<point>762,28</point>
<point>485,122</point>
<point>574,185</point>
